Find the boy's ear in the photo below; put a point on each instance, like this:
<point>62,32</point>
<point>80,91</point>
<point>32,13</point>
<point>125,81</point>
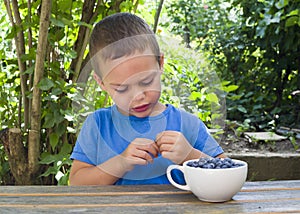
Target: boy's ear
<point>161,61</point>
<point>99,81</point>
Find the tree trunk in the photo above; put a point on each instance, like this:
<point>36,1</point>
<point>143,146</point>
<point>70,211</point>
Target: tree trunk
<point>186,37</point>
<point>34,132</point>
<point>15,150</point>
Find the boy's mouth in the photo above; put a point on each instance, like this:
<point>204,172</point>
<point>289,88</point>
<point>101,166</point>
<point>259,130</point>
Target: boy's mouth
<point>141,108</point>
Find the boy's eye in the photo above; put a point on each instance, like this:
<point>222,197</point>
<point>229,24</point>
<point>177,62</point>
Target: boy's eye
<point>147,82</point>
<point>121,89</point>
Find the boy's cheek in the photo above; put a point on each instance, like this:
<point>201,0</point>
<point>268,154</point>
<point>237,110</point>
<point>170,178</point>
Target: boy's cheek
<point>121,103</point>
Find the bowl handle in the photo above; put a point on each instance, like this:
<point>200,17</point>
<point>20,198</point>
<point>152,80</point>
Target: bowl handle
<point>179,186</point>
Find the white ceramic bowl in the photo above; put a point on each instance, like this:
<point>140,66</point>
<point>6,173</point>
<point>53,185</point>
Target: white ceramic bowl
<point>212,185</point>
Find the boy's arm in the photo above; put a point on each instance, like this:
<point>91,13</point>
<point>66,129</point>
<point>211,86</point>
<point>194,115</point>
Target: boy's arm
<point>104,174</point>
<point>139,152</point>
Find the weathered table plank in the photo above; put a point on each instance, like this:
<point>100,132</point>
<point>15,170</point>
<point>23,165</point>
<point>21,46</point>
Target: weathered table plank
<point>255,197</point>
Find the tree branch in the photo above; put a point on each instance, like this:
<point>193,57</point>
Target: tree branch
<point>157,14</point>
<point>15,19</point>
<point>30,63</point>
<point>83,36</point>
<point>34,133</point>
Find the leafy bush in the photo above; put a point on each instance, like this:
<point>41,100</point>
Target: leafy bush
<point>190,82</point>
<point>255,45</point>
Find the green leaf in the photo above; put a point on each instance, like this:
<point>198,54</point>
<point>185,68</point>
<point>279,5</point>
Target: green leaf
<point>54,138</point>
<point>66,149</point>
<point>67,21</point>
<point>281,4</point>
<point>65,5</point>
<point>56,91</point>
<point>72,54</point>
<point>242,109</point>
<point>49,121</point>
<point>51,170</point>
<point>260,31</point>
<point>64,180</point>
<point>85,24</point>
<point>212,97</point>
<point>194,95</point>
<point>48,159</point>
<point>57,22</point>
<point>291,21</point>
<point>276,17</point>
<point>2,75</point>
<point>45,84</point>
<point>225,82</point>
<point>13,32</point>
<point>230,88</point>
<point>294,13</point>
<point>58,35</point>
<point>30,70</point>
<point>30,56</point>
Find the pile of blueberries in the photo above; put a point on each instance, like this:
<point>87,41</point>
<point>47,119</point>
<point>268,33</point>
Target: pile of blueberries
<point>214,163</point>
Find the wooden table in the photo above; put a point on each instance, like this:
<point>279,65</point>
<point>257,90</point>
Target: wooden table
<point>255,197</point>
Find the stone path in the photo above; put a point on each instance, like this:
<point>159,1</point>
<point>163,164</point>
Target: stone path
<point>265,136</point>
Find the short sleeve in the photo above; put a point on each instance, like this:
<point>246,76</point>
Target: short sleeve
<point>198,135</point>
<point>86,144</point>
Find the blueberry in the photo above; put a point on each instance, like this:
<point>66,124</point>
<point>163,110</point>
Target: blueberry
<point>195,164</point>
<point>228,164</point>
<point>224,166</point>
<point>227,159</point>
<point>189,163</point>
<point>205,166</point>
<point>214,163</point>
<point>237,165</point>
<point>219,163</point>
<point>211,165</point>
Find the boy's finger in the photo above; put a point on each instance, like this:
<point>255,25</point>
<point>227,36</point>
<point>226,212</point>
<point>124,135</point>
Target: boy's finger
<point>155,147</point>
<point>153,150</point>
<point>149,147</point>
<point>165,139</point>
<point>166,148</point>
<point>144,155</point>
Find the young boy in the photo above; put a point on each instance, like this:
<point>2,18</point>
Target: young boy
<point>136,139</point>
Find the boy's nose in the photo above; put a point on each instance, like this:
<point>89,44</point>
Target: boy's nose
<point>138,94</point>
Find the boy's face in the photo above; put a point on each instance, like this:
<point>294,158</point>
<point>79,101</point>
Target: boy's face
<point>133,82</point>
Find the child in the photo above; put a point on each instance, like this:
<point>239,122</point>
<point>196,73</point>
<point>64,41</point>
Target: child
<point>136,139</point>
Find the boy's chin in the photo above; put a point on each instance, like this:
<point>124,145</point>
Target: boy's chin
<point>140,114</point>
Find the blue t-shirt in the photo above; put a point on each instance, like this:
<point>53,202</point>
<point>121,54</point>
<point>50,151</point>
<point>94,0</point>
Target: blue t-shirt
<point>107,133</point>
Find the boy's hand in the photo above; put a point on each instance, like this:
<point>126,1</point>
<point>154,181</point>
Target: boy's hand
<point>174,146</point>
<point>141,151</point>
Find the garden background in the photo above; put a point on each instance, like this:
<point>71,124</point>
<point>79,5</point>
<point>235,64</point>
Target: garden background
<point>234,61</point>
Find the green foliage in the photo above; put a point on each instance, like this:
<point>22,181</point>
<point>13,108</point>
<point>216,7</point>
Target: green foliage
<point>59,91</point>
<point>255,45</point>
<point>60,164</point>
<point>273,47</point>
<point>9,80</point>
<point>5,176</point>
<point>189,82</point>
